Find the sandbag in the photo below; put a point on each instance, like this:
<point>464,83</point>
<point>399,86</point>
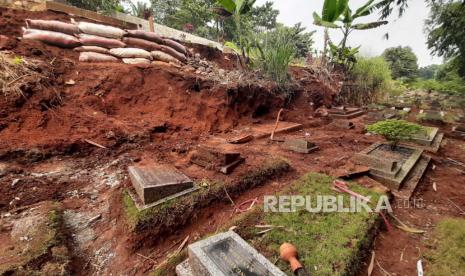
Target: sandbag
<point>52,25</point>
<point>96,57</point>
<point>161,56</point>
<point>130,53</point>
<point>52,38</point>
<point>145,35</point>
<point>141,43</point>
<point>175,45</point>
<point>92,40</point>
<point>100,30</point>
<point>95,49</point>
<point>136,61</point>
<point>172,52</point>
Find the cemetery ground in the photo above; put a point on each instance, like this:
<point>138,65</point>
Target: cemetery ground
<point>68,205</point>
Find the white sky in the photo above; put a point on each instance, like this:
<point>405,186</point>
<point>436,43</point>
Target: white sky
<point>404,31</point>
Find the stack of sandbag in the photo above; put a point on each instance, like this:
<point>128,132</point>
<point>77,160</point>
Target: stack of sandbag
<point>101,43</point>
<point>162,49</point>
<point>97,42</point>
<point>52,32</point>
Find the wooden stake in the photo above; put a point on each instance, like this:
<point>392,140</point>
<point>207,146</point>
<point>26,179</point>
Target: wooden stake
<point>276,125</point>
<point>152,28</point>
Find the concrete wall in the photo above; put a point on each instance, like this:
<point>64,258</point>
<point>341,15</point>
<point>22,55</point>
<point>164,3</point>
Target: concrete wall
<point>167,31</point>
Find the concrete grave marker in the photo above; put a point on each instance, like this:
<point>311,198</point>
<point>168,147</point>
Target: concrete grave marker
<point>154,183</point>
<point>216,159</point>
<point>300,145</point>
<point>225,254</point>
<point>400,169</point>
<point>345,112</point>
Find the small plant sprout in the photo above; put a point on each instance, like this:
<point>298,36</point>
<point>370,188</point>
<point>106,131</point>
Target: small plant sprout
<point>395,130</point>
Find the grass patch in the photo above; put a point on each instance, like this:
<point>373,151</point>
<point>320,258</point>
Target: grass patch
<point>179,211</point>
<point>328,243</point>
<point>447,256</point>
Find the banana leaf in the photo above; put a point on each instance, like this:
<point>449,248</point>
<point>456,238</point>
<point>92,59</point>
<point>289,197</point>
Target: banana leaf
<point>367,26</point>
<point>364,10</point>
<point>317,20</point>
<point>228,5</point>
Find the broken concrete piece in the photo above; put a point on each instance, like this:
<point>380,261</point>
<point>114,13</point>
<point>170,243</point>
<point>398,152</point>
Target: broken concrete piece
<point>241,140</point>
<point>300,145</point>
<point>224,255</point>
<point>154,183</point>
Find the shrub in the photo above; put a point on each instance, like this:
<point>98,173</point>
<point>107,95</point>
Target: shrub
<point>277,50</point>
<point>395,130</point>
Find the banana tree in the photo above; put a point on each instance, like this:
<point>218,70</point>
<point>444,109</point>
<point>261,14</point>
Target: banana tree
<point>236,8</point>
<point>338,15</point>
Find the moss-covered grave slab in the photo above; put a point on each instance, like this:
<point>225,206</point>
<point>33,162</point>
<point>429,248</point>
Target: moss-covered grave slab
<point>178,211</point>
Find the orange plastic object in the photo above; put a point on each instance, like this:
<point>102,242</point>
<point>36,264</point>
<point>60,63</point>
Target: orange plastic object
<point>289,254</point>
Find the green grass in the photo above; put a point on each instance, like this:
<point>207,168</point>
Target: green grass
<point>328,243</point>
<point>447,256</point>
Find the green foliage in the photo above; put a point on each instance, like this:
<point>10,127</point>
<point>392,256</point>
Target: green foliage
<point>428,72</point>
<point>338,11</point>
<point>372,74</point>
<point>395,130</point>
<point>277,49</point>
<point>447,253</point>
<point>346,56</point>
<point>105,6</point>
<point>403,62</point>
<point>446,32</point>
<point>141,10</point>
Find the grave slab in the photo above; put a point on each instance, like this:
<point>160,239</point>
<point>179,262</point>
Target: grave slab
<point>300,145</point>
<point>387,166</point>
<point>430,140</point>
<point>216,159</point>
<point>345,112</point>
<point>412,180</point>
<point>153,183</point>
<point>226,254</point>
<point>265,130</point>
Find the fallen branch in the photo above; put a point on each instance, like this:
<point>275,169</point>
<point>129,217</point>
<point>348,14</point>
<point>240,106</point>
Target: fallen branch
<point>405,227</point>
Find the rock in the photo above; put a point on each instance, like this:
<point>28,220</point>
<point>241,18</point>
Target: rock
<point>221,72</point>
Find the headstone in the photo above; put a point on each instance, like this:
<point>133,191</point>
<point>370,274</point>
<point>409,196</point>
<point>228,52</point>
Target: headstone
<point>226,254</point>
<point>300,145</point>
<point>153,183</point>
